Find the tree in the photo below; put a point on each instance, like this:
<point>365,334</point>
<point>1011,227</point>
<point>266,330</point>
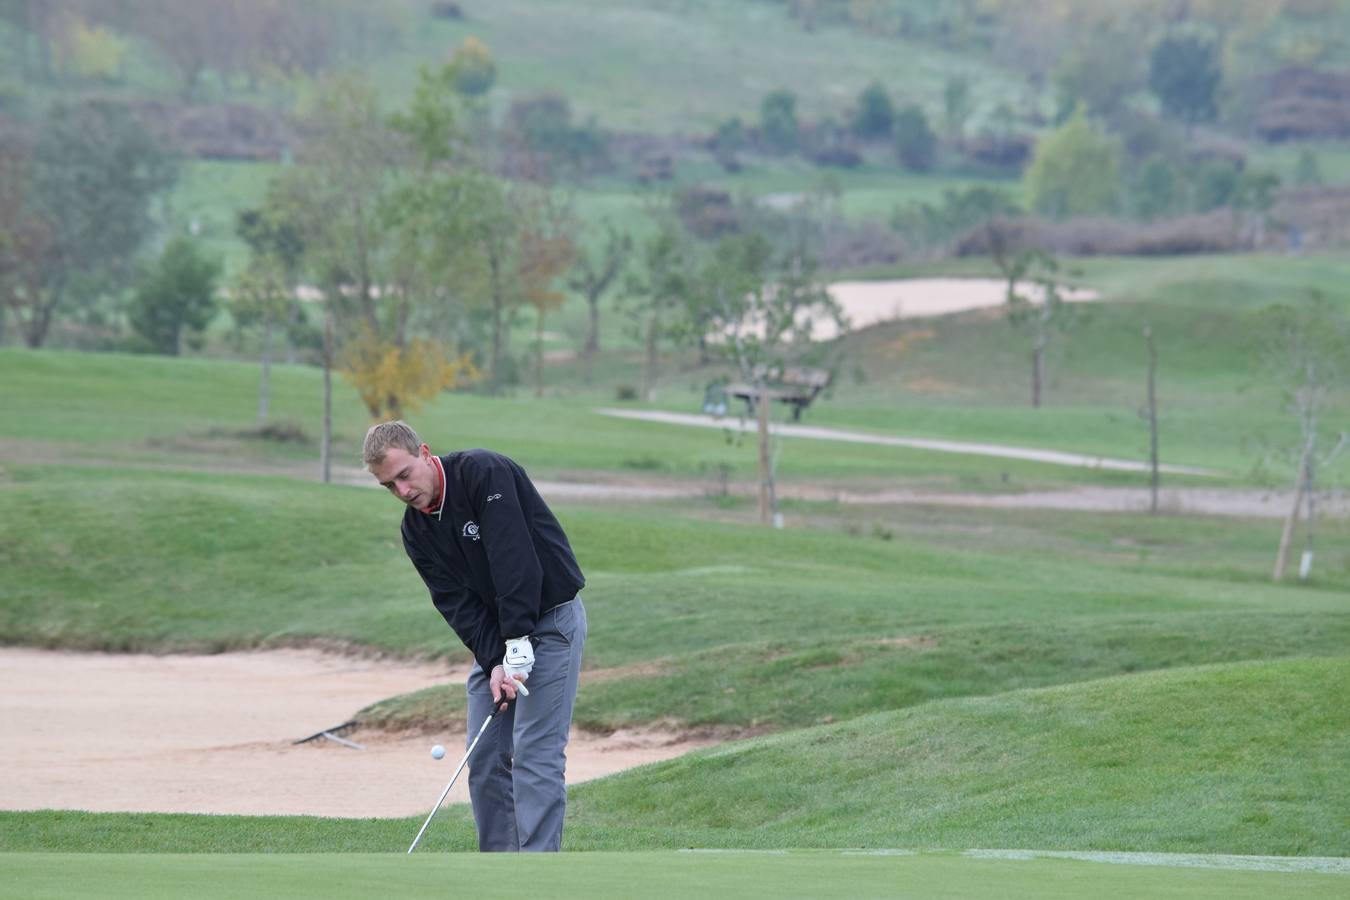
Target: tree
<point>1306,353</point>
<point>261,295</point>
<point>334,198</point>
<point>656,294</point>
<point>1073,171</point>
<point>728,140</point>
<point>875,115</point>
<point>1100,72</point>
<point>759,308</point>
<point>547,250</point>
<point>473,66</point>
<point>1252,199</point>
<point>915,142</point>
<point>960,211</point>
<point>778,121</point>
<point>1044,312</point>
<point>77,212</point>
<point>391,378</point>
<point>545,141</point>
<point>592,276</point>
<point>176,299</point>
<point>1157,189</point>
<point>1308,170</point>
<point>1184,73</point>
<point>957,105</point>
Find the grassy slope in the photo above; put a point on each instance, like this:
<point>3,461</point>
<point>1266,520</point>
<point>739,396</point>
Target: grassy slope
<point>683,67</point>
<point>1237,759</point>
<point>842,624</point>
<point>1242,758</point>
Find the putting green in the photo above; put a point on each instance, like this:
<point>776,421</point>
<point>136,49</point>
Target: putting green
<point>666,874</point>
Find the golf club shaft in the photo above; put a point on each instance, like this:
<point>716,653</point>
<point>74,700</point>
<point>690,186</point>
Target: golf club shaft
<point>462,763</point>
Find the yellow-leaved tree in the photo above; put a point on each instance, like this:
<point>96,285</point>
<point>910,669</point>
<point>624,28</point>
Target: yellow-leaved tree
<point>392,378</point>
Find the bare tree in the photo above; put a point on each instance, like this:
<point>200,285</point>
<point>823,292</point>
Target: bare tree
<point>1044,313</point>
<point>592,276</point>
<point>760,308</point>
<point>1307,353</point>
<point>1151,413</point>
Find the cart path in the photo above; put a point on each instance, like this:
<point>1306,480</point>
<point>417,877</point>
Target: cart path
<point>1003,451</point>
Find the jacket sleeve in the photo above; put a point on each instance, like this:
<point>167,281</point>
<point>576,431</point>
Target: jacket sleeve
<point>462,610</point>
<point>517,573</point>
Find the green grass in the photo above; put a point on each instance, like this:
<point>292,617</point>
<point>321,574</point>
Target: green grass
<point>657,875</point>
<point>1242,759</point>
<point>614,60</point>
<point>842,624</point>
<point>193,413</point>
<point>210,194</point>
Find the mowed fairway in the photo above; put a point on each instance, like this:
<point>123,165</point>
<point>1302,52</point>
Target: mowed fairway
<point>597,876</point>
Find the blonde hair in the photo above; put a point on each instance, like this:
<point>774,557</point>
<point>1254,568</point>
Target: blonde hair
<point>380,438</point>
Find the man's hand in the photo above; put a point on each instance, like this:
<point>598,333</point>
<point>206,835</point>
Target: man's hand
<point>505,688</point>
<point>519,657</point>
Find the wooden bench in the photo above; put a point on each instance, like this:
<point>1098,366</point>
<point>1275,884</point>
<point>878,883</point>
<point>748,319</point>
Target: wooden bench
<point>797,386</point>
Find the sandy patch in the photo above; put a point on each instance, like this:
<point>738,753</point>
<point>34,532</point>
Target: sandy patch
<point>214,734</point>
<point>868,303</point>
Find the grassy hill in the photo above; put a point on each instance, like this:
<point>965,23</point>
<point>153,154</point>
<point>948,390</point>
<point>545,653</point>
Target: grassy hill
<point>1239,759</point>
<point>842,622</point>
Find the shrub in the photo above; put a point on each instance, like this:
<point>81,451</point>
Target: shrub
<point>778,121</point>
<point>875,116</point>
<point>915,142</point>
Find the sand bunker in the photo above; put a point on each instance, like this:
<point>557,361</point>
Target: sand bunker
<point>213,734</point>
<point>869,303</point>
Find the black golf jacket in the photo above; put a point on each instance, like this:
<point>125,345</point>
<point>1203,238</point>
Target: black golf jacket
<point>492,554</point>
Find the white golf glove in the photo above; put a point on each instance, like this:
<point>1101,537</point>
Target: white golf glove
<point>519,657</point>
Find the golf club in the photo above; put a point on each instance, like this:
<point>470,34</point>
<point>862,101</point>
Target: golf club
<point>462,763</point>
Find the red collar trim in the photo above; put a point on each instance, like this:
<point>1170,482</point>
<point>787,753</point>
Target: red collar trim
<point>437,503</point>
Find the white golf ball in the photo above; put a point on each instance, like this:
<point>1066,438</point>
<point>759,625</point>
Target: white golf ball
<point>437,752</point>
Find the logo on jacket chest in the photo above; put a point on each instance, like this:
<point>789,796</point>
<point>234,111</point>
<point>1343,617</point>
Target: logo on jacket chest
<point>470,531</point>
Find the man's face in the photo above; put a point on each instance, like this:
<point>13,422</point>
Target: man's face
<point>411,478</point>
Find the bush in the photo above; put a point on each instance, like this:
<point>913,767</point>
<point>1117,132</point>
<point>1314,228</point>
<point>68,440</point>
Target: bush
<point>1301,103</point>
<point>960,211</point>
<point>1184,74</point>
<point>1074,170</point>
<point>727,142</point>
<point>875,116</point>
<point>1211,233</point>
<point>446,9</point>
<point>1004,152</point>
<point>540,129</point>
<point>176,299</point>
<point>915,142</point>
<point>706,212</point>
<point>778,126</point>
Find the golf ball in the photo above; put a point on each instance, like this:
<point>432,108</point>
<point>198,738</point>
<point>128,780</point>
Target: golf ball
<point>437,752</point>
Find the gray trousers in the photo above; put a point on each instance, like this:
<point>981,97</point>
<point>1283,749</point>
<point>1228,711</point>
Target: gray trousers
<point>516,776</point>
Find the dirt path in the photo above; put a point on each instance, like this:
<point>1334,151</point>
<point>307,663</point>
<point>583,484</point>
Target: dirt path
<point>213,734</point>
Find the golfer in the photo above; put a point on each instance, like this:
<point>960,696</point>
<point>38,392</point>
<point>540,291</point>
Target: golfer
<point>501,572</point>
